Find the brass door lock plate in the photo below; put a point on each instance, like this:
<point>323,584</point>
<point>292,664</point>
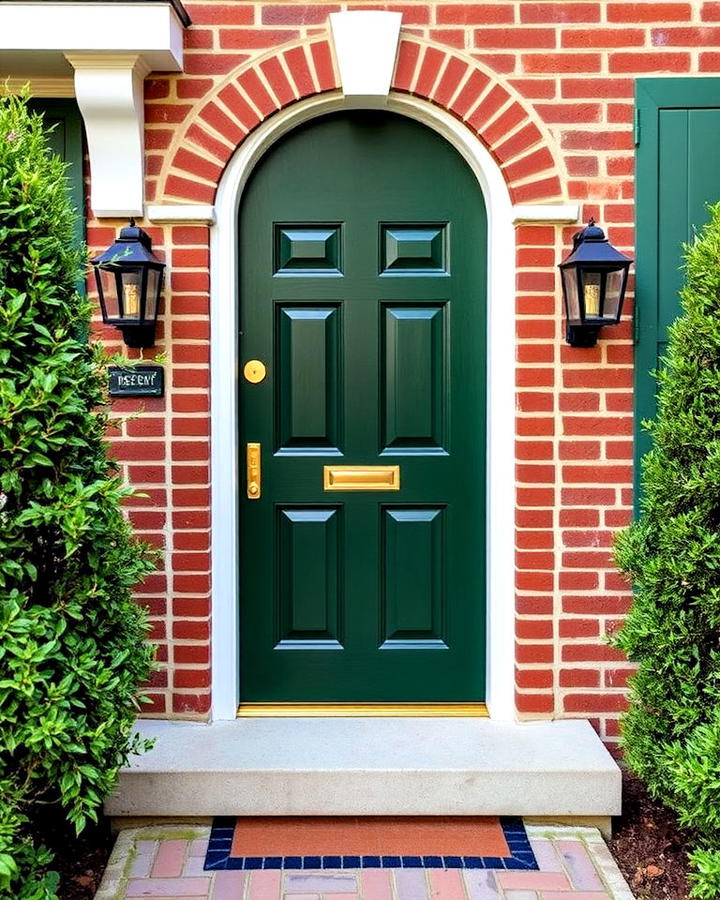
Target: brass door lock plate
<point>254,474</point>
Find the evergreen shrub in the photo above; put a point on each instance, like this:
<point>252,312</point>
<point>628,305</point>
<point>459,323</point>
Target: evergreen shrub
<point>72,642</point>
<point>671,554</point>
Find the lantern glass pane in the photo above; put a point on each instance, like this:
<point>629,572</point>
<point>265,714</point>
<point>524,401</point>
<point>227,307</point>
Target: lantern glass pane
<point>131,295</point>
<point>109,294</point>
<point>613,289</point>
<point>153,290</point>
<point>572,300</point>
<point>592,294</point>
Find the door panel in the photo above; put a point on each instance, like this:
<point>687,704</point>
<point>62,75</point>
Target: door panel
<point>308,383</point>
<point>677,177</point>
<point>309,584</point>
<point>413,564</point>
<point>414,378</point>
<point>362,288</point>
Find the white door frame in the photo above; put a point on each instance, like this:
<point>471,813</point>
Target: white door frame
<point>224,363</point>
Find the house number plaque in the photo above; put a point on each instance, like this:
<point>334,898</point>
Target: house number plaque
<point>138,381</point>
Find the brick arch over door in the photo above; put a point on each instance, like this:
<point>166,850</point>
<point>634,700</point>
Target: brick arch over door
<point>452,81</point>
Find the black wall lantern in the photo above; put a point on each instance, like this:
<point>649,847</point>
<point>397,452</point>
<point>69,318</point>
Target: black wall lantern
<point>594,278</point>
<point>129,280</point>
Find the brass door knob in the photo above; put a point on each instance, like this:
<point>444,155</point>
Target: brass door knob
<point>254,371</point>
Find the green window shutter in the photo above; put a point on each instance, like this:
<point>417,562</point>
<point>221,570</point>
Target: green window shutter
<point>677,176</point>
<point>64,124</point>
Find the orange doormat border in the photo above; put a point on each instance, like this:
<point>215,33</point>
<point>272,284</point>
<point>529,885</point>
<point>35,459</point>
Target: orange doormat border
<point>348,842</point>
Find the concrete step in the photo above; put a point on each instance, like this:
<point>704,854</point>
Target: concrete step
<point>557,771</point>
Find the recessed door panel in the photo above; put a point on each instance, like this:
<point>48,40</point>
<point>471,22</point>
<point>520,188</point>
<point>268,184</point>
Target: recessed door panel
<point>413,607</point>
<point>414,249</point>
<point>362,286</point>
<point>414,377</point>
<point>308,579</point>
<point>307,248</point>
<point>308,380</point>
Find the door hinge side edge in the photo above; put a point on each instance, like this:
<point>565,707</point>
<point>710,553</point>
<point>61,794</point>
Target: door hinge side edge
<point>636,126</point>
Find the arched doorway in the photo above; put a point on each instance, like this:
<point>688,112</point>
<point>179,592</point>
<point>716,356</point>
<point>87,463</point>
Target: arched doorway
<point>228,454</point>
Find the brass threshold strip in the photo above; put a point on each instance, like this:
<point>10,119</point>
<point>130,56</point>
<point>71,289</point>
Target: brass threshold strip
<point>336,710</point>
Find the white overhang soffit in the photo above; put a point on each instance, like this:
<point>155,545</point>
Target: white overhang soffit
<point>43,30</point>
<point>107,48</point>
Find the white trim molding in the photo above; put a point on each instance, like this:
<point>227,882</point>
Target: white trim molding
<point>181,214</point>
<point>110,94</point>
<point>225,453</point>
<point>40,87</point>
<point>366,43</point>
<point>547,214</point>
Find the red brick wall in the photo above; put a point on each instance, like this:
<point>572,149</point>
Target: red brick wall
<point>548,87</point>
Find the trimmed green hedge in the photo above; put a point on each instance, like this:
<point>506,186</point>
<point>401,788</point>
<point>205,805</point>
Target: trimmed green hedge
<point>72,642</point>
<point>671,733</point>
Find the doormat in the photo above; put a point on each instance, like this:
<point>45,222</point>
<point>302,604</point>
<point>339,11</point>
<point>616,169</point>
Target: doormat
<point>369,842</point>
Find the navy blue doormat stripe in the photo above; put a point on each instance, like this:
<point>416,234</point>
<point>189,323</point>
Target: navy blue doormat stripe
<point>221,837</point>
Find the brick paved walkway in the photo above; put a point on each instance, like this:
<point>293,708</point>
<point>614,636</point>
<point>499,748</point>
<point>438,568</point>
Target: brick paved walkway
<point>168,861</point>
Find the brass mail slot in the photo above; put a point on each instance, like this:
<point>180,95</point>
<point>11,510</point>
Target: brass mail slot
<point>361,478</point>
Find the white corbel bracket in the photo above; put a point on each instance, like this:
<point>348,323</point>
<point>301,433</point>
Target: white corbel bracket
<point>109,92</point>
<point>366,43</point>
<point>111,46</point>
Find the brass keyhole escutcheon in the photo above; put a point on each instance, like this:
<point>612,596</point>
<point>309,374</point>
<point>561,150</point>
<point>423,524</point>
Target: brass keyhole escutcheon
<point>254,371</point>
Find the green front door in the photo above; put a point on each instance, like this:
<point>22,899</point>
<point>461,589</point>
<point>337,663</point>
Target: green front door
<point>363,280</point>
<point>677,176</point>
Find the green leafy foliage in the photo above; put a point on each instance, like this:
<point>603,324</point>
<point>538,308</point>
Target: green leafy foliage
<point>72,642</point>
<point>705,879</point>
<point>671,732</point>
